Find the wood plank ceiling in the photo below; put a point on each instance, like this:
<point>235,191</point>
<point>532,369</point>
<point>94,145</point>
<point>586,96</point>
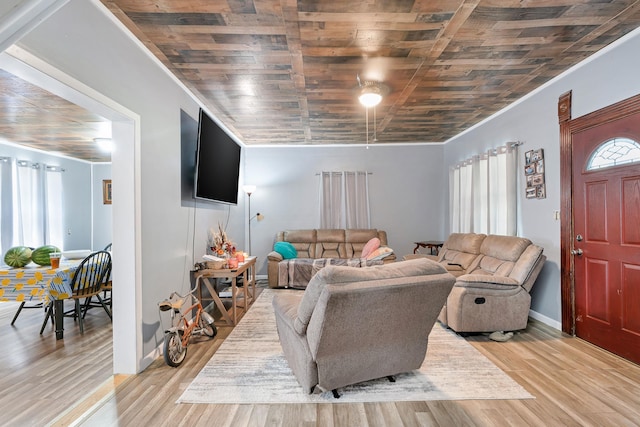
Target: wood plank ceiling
<point>32,117</point>
<point>285,71</point>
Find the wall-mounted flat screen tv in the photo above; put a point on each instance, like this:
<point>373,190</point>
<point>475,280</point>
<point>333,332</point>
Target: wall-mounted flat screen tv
<point>217,163</point>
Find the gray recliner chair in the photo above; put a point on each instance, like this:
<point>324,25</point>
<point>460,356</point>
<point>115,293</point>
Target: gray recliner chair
<point>357,324</point>
<point>493,293</point>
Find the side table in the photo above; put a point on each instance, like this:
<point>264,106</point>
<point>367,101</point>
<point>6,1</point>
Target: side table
<point>433,245</point>
<point>247,293</point>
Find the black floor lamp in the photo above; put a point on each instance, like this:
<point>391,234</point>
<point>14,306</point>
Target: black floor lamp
<point>249,189</point>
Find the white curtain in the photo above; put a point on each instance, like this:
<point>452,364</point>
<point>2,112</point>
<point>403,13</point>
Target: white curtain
<point>53,206</point>
<point>28,199</point>
<point>483,193</point>
<point>31,202</point>
<point>6,203</point>
<point>344,200</point>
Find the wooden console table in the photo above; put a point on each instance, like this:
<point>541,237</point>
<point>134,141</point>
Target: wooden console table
<point>246,293</point>
<point>433,245</point>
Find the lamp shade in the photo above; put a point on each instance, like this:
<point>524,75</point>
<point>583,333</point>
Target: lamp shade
<point>249,189</point>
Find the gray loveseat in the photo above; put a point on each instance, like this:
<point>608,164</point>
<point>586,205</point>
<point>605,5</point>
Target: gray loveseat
<point>357,324</point>
<point>494,277</point>
<point>319,244</point>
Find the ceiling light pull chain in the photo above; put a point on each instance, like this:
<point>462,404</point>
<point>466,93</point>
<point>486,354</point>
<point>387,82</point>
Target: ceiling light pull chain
<point>375,126</point>
<point>366,120</point>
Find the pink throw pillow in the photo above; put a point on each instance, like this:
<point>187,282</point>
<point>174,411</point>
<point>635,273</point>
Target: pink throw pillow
<point>371,246</point>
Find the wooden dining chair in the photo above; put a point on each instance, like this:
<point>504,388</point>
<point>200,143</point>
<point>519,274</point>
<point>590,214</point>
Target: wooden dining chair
<point>87,282</point>
<point>107,282</point>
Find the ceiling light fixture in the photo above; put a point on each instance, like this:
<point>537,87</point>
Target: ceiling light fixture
<point>105,144</point>
<point>370,96</point>
<point>371,92</point>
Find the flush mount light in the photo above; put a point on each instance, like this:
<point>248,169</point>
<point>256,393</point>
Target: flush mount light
<point>370,96</point>
<point>370,93</point>
<point>105,144</point>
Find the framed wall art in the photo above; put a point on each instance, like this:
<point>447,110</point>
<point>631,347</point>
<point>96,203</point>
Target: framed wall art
<point>106,191</point>
<point>534,174</point>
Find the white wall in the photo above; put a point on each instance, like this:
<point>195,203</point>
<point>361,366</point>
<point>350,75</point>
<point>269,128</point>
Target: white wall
<point>101,212</point>
<point>84,41</point>
<point>407,188</point>
<point>606,78</point>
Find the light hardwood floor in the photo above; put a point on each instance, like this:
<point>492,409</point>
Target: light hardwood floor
<point>43,381</point>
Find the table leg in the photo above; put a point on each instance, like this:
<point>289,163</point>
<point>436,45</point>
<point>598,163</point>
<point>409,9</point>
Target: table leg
<point>252,282</point>
<point>234,302</point>
<point>245,289</point>
<point>415,250</point>
<point>215,297</point>
<point>58,317</point>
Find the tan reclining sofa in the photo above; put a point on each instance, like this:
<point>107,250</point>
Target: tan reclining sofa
<point>494,277</point>
<point>357,324</point>
<point>315,244</point>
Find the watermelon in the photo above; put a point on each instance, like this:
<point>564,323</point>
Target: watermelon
<point>18,256</point>
<point>41,255</point>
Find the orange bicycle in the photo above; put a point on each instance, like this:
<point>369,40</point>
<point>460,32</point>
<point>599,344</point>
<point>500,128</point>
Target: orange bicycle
<point>176,338</point>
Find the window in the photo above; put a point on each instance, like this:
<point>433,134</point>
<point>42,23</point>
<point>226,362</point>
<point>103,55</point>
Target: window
<point>30,204</point>
<point>483,193</point>
<point>614,152</point>
<point>344,200</point>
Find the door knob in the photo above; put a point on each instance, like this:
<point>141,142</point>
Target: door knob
<point>576,252</point>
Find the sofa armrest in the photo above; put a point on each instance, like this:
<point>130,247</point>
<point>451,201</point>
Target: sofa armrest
<point>274,256</point>
<point>286,306</point>
<point>486,281</point>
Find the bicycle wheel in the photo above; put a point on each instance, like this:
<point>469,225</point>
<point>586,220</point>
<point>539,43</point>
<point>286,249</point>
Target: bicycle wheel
<point>174,351</point>
<point>209,329</point>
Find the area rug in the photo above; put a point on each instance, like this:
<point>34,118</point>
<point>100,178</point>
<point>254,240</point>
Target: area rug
<point>250,368</point>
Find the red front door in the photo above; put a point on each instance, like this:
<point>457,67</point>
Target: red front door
<point>606,242</point>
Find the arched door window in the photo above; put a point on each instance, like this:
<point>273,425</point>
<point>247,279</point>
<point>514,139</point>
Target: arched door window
<point>614,152</point>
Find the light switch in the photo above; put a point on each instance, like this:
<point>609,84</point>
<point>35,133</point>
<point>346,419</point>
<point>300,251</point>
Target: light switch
<point>556,215</point>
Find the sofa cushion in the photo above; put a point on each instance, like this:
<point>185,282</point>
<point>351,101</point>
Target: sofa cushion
<point>371,246</point>
<point>286,249</point>
<point>500,254</point>
<point>303,240</point>
<point>461,250</point>
<point>356,239</point>
<point>329,243</point>
<point>508,248</point>
<point>336,275</point>
<point>524,266</point>
<point>465,242</point>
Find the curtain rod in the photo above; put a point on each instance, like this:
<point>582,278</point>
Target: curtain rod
<point>319,173</point>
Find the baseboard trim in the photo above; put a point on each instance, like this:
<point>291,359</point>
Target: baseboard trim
<point>546,320</point>
<point>151,357</point>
